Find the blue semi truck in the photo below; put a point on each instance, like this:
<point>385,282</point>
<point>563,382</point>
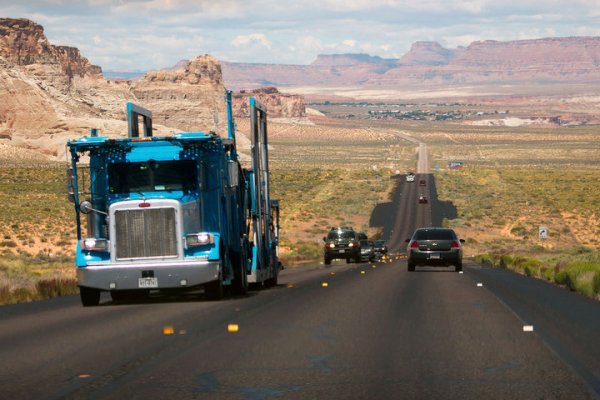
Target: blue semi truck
<point>172,212</point>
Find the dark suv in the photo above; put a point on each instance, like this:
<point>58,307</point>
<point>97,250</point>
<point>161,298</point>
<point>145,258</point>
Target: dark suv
<point>434,246</point>
<point>341,243</point>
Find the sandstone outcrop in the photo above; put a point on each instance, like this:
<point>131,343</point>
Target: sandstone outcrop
<point>186,98</point>
<point>50,93</point>
<point>279,105</point>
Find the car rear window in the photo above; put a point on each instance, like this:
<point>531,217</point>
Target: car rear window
<point>341,235</point>
<point>435,234</point>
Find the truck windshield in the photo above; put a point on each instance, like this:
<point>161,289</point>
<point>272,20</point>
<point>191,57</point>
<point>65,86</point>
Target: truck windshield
<point>152,176</point>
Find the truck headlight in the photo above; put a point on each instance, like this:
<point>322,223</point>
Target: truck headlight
<point>94,244</point>
<point>199,239</point>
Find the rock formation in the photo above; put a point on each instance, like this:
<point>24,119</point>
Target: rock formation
<point>278,104</point>
<point>50,93</point>
<point>427,53</point>
<point>187,97</point>
<point>553,60</point>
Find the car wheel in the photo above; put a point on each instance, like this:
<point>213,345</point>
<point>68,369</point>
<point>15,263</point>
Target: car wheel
<point>411,266</point>
<point>327,261</point>
<point>458,267</point>
<point>348,261</point>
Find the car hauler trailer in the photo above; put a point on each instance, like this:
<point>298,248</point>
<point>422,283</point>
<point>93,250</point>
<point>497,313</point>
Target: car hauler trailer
<point>173,212</point>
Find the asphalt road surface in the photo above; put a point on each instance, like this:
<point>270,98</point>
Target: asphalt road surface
<point>382,334</point>
<point>373,332</point>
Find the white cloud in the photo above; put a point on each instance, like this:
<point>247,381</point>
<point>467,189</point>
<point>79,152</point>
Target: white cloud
<point>158,33</point>
<point>253,38</point>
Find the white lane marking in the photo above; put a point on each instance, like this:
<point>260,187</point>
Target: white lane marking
<point>527,328</point>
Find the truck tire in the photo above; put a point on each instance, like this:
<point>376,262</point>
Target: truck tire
<point>271,282</point>
<point>239,285</point>
<point>90,297</point>
<point>214,290</point>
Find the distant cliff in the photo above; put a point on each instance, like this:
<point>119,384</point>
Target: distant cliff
<point>564,60</point>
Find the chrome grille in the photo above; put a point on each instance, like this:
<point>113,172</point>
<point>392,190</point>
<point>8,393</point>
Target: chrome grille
<point>145,233</point>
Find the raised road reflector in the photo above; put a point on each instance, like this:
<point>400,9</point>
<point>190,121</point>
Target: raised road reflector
<point>168,330</point>
<point>84,376</point>
<point>373,266</point>
<point>479,284</point>
<point>290,285</point>
<point>332,273</point>
<point>362,272</point>
<point>461,272</point>
<point>527,328</point>
<point>324,284</point>
<point>233,328</point>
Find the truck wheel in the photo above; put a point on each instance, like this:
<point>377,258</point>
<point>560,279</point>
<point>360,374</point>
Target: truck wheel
<point>240,283</point>
<point>271,282</point>
<point>214,290</point>
<point>90,297</point>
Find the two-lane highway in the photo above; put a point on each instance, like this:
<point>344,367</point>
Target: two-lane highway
<point>371,333</point>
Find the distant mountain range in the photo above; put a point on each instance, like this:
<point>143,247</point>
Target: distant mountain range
<point>550,60</point>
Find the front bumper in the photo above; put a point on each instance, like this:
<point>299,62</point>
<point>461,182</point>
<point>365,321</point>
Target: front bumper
<point>342,253</point>
<point>172,274</point>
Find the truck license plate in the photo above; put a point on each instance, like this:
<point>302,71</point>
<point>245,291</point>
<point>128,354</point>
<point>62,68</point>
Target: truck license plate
<point>148,283</point>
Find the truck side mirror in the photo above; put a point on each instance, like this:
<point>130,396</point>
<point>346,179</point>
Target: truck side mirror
<point>234,176</point>
<point>70,186</point>
<point>86,207</point>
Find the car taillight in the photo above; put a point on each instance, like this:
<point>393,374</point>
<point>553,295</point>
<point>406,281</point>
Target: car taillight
<point>455,245</point>
<point>330,245</point>
<point>414,245</point>
<point>351,244</point>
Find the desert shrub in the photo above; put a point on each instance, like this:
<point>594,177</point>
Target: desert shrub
<point>561,277</point>
<point>48,288</point>
<point>506,261</point>
<point>547,273</point>
<point>531,267</point>
<point>596,283</point>
<point>485,259</point>
<point>580,277</point>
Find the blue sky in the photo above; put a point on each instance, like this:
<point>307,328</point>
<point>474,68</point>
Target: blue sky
<point>152,34</point>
